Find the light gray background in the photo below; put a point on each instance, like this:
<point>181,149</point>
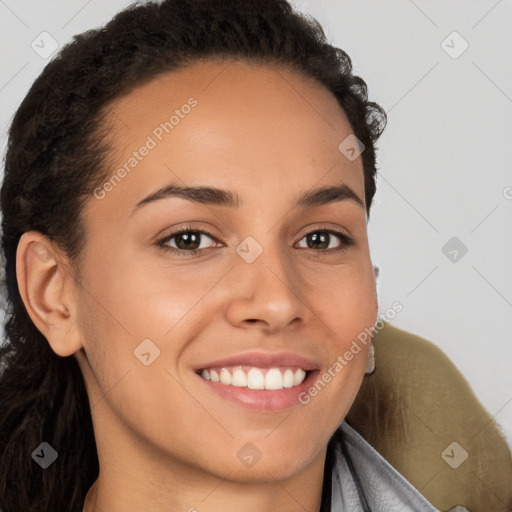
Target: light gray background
<point>444,158</point>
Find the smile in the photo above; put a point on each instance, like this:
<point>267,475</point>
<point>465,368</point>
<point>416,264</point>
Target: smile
<point>265,390</point>
<point>255,378</point>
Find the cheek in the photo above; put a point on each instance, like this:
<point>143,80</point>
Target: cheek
<point>143,300</point>
<point>349,309</point>
<point>347,303</point>
<point>130,369</point>
<point>356,311</point>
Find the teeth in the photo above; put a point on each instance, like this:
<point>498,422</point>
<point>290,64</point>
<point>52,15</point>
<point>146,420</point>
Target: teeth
<point>288,379</point>
<point>299,376</point>
<point>256,378</point>
<point>225,376</point>
<point>274,379</point>
<point>239,378</point>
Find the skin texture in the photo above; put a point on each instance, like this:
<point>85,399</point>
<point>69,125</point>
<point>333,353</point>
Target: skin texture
<point>164,440</point>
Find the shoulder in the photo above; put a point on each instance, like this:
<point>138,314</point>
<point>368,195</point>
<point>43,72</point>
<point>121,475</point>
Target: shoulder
<point>417,410</point>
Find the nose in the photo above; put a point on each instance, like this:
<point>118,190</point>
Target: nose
<point>267,294</point>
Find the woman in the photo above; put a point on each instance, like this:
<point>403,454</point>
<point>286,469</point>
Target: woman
<point>185,204</point>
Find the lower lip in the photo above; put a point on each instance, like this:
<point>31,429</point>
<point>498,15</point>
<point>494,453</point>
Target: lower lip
<point>262,399</point>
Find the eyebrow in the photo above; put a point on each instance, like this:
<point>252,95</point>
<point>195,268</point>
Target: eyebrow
<point>220,197</point>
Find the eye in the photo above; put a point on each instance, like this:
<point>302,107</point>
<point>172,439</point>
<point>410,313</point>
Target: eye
<point>320,240</point>
<point>188,241</point>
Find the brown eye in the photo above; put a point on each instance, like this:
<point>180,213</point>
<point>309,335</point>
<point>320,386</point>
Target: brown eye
<point>187,241</point>
<point>320,240</point>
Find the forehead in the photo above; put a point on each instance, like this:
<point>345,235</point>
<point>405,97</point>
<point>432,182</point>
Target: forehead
<point>240,84</point>
<point>257,128</point>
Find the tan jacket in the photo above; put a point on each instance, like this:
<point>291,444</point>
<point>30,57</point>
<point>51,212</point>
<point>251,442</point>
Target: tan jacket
<point>421,415</point>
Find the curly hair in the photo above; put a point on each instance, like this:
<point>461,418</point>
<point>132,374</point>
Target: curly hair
<point>57,154</point>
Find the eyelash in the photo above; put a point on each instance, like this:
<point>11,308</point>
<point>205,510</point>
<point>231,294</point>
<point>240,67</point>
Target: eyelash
<point>346,240</point>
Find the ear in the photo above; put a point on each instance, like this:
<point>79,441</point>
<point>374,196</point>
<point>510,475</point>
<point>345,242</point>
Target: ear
<point>47,288</point>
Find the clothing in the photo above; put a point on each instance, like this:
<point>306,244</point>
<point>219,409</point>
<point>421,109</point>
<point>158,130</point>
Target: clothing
<point>372,485</point>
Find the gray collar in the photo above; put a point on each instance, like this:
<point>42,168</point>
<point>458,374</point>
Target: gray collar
<point>381,486</point>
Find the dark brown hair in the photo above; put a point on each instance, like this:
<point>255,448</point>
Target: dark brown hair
<point>56,156</point>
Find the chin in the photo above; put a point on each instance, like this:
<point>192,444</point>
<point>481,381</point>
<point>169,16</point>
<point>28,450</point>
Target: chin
<point>267,472</point>
<point>271,463</point>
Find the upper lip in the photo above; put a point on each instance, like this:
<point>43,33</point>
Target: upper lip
<point>262,360</point>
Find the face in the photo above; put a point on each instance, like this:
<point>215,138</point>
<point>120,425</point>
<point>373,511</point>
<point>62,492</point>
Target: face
<point>260,281</point>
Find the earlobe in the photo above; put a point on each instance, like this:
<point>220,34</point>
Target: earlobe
<point>46,289</point>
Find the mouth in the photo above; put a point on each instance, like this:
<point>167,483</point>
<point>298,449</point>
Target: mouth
<point>252,377</point>
<point>256,388</point>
